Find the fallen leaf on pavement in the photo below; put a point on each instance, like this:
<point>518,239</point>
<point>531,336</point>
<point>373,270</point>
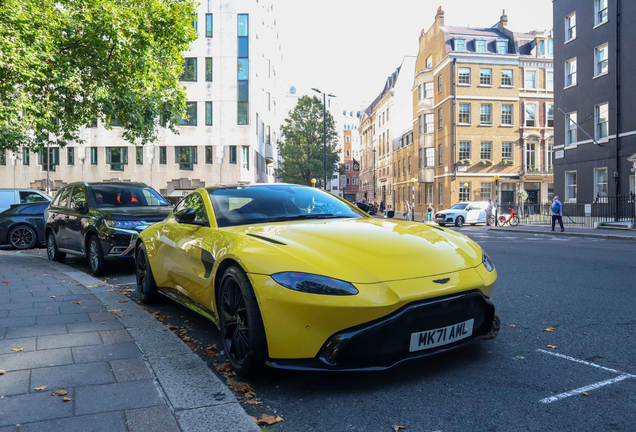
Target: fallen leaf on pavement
<point>550,329</point>
<point>67,399</point>
<point>52,296</point>
<point>17,349</point>
<point>254,402</point>
<point>123,301</point>
<point>104,322</point>
<point>396,428</point>
<point>551,346</point>
<point>586,394</point>
<point>59,392</point>
<point>519,358</point>
<point>114,310</point>
<point>40,388</point>
<point>512,325</point>
<point>268,420</point>
<point>209,353</point>
<point>2,371</point>
<point>76,302</point>
<point>5,281</point>
<point>49,308</point>
<point>187,339</point>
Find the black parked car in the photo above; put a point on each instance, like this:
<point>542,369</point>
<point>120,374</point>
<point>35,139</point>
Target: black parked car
<point>100,221</point>
<point>366,207</point>
<point>22,225</point>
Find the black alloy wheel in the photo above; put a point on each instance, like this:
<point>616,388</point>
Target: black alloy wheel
<point>22,237</point>
<point>146,286</point>
<point>52,252</point>
<point>96,256</point>
<point>242,327</point>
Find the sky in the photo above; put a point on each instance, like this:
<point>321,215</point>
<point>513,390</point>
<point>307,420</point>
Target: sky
<point>350,47</point>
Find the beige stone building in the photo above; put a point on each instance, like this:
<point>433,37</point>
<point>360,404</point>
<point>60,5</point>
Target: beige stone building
<point>482,107</point>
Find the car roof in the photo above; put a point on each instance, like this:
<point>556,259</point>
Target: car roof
<point>243,185</point>
<point>107,183</point>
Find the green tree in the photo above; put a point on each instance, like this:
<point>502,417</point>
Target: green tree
<point>66,63</point>
<point>301,146</point>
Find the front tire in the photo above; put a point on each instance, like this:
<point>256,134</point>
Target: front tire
<point>441,224</point>
<point>96,256</point>
<point>22,237</point>
<point>459,222</point>
<point>52,252</point>
<point>146,285</point>
<point>514,221</point>
<point>242,327</point>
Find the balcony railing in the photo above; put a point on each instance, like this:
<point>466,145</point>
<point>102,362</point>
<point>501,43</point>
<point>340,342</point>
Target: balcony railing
<point>537,170</point>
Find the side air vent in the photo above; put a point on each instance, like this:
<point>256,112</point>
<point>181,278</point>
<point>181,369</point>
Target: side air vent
<point>267,239</point>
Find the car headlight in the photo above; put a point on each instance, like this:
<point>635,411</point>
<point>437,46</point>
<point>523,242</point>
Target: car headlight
<point>487,261</point>
<point>314,284</point>
<point>450,214</point>
<point>125,224</point>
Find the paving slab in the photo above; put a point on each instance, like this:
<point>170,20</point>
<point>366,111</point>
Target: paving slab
<point>63,319</point>
<point>14,383</point>
<point>153,419</point>
<point>32,408</point>
<point>6,345</point>
<point>106,352</point>
<point>111,422</point>
<point>35,311</point>
<point>216,418</point>
<point>68,340</point>
<point>20,321</point>
<point>130,370</point>
<point>35,330</point>
<point>118,396</point>
<point>92,326</point>
<point>115,336</point>
<point>75,375</point>
<point>35,359</point>
<point>158,341</point>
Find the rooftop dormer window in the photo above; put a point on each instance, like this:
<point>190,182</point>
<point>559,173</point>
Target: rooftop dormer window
<point>480,46</point>
<point>502,47</point>
<point>460,45</point>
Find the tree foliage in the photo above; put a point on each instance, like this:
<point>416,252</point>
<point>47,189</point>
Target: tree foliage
<point>66,63</point>
<point>301,146</point>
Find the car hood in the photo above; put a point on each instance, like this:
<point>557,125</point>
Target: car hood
<point>150,214</point>
<point>361,250</point>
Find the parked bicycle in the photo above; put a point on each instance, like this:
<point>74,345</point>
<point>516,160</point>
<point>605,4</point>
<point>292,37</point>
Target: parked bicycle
<point>512,220</point>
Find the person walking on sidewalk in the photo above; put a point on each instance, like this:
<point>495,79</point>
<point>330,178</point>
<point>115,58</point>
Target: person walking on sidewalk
<point>429,213</point>
<point>407,210</point>
<point>489,209</point>
<point>382,208</point>
<point>557,212</point>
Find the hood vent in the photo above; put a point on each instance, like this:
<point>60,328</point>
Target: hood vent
<point>267,239</point>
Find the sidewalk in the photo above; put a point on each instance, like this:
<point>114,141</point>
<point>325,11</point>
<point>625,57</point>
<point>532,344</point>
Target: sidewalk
<point>121,369</point>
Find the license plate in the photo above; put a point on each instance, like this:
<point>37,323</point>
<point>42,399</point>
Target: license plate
<point>441,336</point>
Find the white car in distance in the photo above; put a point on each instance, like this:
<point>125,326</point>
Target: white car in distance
<point>462,213</point>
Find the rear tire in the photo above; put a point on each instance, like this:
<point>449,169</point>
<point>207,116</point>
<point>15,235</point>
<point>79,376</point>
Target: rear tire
<point>502,221</point>
<point>23,237</point>
<point>242,329</point>
<point>459,222</point>
<point>146,286</point>
<point>96,256</point>
<point>51,249</point>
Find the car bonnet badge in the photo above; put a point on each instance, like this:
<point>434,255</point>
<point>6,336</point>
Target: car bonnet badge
<point>441,281</point>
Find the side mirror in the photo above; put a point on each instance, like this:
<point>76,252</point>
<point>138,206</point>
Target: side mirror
<point>188,216</point>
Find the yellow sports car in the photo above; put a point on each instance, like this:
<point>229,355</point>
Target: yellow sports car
<point>298,278</point>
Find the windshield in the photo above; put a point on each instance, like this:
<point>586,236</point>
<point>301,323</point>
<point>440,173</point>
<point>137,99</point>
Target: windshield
<point>459,207</point>
<point>106,196</point>
<point>260,204</point>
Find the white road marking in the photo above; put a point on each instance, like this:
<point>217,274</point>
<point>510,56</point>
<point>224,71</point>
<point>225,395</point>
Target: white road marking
<point>622,376</point>
<point>582,390</point>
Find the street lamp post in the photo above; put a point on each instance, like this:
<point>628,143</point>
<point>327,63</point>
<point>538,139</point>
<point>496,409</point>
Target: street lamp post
<point>496,198</point>
<point>324,133</point>
<point>413,200</point>
<point>374,175</point>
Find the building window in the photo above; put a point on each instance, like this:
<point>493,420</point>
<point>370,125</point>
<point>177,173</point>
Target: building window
<point>570,27</point>
<point>531,114</point>
<point>531,79</point>
<point>600,113</point>
<point>439,84</point>
<point>233,154</point>
<point>93,155</point>
<point>428,89</point>
<point>347,167</point>
<point>464,192</point>
<point>429,194</point>
<point>429,154</point>
<point>480,46</point>
<point>600,182</point>
<point>600,60</point>
<point>429,62</point>
<point>163,155</point>
<point>189,69</point>
<point>419,158</point>
<point>441,193</point>
<point>117,157</point>
<point>502,47</point>
<point>550,47</point>
<point>208,155</point>
<point>531,159</point>
<point>570,186</point>
<point>485,77</point>
<point>486,191</point>
<point>51,161</point>
<point>542,48</point>
<point>439,155</point>
<point>486,150</point>
<point>139,155</point>
<point>506,151</point>
<point>463,76</point>
<point>429,122</point>
<point>485,114</point>
<point>460,45</point>
<point>464,150</point>
<point>208,114</point>
<point>632,184</point>
<point>70,156</point>
<point>246,158</point>
<point>419,194</point>
<point>506,115</point>
<point>549,80</point>
<point>549,114</point>
<point>439,118</point>
<point>600,10</point>
<point>570,129</point>
<point>570,72</point>
<point>506,78</point>
<point>208,69</point>
<point>186,157</point>
<point>419,92</point>
<point>190,118</point>
<point>464,113</point>
<point>409,164</point>
<point>242,69</point>
<point>550,156</point>
<point>208,25</point>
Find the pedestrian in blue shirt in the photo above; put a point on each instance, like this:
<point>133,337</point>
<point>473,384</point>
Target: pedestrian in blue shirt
<point>557,213</point>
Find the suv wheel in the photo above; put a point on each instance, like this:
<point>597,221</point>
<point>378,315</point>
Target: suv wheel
<point>22,237</point>
<point>96,256</point>
<point>51,249</point>
<point>459,221</point>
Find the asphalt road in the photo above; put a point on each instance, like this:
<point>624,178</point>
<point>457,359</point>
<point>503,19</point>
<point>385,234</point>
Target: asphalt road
<point>579,376</point>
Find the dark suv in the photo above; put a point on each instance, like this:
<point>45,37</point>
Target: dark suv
<point>101,221</point>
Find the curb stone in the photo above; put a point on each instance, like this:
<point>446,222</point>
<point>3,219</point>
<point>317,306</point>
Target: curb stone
<point>566,233</point>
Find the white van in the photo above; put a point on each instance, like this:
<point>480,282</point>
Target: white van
<point>20,196</point>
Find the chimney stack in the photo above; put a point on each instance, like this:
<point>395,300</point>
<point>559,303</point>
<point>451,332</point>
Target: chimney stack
<point>439,17</point>
<point>503,21</point>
